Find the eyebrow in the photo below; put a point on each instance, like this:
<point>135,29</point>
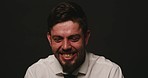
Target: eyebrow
<point>56,36</point>
<point>68,36</point>
<point>74,35</point>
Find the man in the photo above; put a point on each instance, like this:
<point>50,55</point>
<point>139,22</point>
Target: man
<point>68,36</point>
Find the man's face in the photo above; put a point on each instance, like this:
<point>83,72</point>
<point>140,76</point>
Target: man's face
<point>68,43</point>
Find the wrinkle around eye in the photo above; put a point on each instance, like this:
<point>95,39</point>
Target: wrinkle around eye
<point>57,39</point>
<point>74,38</point>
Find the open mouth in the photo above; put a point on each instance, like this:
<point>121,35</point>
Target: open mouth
<point>68,56</point>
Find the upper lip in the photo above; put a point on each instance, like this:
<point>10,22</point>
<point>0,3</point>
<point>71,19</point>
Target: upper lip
<point>67,52</point>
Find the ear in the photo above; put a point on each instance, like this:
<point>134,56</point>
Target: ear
<point>49,37</point>
<point>87,35</point>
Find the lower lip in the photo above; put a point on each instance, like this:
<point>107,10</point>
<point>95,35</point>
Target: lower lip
<point>68,59</point>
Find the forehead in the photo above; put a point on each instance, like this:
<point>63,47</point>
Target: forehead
<point>68,27</point>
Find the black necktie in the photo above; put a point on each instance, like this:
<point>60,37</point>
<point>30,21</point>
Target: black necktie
<point>69,76</point>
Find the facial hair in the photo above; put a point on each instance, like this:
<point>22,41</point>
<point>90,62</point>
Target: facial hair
<point>68,67</point>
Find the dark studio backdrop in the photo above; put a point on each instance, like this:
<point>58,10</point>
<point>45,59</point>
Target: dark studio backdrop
<point>118,32</point>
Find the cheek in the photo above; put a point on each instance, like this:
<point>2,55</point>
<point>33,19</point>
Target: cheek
<point>55,46</point>
<point>78,45</point>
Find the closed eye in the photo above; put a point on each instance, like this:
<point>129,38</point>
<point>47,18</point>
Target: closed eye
<point>74,38</point>
<point>57,38</point>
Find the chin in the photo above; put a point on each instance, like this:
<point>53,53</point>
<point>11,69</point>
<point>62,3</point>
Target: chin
<point>67,63</point>
<point>68,68</point>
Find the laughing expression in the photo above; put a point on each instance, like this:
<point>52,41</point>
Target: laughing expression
<point>68,44</point>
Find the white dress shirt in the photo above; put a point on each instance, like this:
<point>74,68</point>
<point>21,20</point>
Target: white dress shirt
<point>94,66</point>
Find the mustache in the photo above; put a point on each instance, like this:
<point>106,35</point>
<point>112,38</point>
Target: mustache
<point>62,51</point>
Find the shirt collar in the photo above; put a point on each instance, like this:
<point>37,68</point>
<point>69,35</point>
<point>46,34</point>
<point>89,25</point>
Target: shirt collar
<point>84,67</point>
<point>56,66</point>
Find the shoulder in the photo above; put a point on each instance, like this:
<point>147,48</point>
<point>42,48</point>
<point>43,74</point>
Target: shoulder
<point>40,68</point>
<point>103,67</point>
<point>102,62</point>
<point>42,64</point>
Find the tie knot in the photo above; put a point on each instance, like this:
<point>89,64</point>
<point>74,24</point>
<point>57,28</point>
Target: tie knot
<point>69,76</point>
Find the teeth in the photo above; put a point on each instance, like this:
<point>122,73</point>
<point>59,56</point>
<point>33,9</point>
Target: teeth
<point>67,55</point>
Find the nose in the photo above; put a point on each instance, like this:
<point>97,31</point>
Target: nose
<point>66,46</point>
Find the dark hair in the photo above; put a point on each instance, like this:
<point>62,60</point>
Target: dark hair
<point>65,11</point>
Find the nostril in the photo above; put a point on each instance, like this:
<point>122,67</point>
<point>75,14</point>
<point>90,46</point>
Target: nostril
<point>67,50</point>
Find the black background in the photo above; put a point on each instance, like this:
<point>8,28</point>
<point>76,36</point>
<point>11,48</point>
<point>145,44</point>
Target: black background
<point>118,32</point>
